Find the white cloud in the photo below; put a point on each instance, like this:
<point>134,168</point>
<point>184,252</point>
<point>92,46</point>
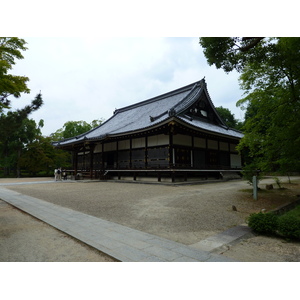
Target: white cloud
<point>87,78</point>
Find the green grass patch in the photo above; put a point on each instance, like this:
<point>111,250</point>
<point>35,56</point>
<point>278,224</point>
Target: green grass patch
<point>294,212</point>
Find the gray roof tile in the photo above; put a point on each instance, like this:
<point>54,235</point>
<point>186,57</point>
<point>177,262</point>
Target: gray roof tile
<point>151,112</point>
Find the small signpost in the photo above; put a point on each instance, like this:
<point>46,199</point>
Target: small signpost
<point>254,183</point>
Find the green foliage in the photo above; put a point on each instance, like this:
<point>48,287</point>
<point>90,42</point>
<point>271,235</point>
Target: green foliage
<point>265,223</point>
<point>10,49</point>
<point>74,128</point>
<point>270,77</point>
<point>40,156</point>
<point>289,226</point>
<point>231,53</point>
<point>16,130</point>
<point>250,170</point>
<point>272,126</point>
<point>228,118</point>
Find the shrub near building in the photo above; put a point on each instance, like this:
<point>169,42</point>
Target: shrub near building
<point>265,223</point>
<point>287,225</point>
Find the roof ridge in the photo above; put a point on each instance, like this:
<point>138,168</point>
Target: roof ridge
<point>186,101</point>
<point>214,108</point>
<point>154,99</point>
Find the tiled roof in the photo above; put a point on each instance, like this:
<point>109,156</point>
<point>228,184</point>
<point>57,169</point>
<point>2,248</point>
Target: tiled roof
<point>223,130</point>
<point>151,112</point>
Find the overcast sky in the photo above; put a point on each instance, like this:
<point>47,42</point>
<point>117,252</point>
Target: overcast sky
<point>88,78</point>
<point>86,60</point>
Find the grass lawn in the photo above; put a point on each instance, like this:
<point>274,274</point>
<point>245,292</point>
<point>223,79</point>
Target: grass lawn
<point>294,212</point>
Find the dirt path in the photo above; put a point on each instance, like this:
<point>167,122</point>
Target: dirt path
<point>186,214</point>
<point>263,249</point>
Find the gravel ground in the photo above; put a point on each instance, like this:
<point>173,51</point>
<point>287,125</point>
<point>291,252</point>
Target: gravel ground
<point>182,213</point>
<point>26,239</point>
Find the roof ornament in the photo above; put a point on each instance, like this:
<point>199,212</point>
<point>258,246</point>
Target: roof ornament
<point>172,112</point>
<point>152,119</point>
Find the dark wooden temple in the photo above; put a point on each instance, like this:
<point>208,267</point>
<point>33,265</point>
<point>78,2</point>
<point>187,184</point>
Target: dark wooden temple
<point>175,135</point>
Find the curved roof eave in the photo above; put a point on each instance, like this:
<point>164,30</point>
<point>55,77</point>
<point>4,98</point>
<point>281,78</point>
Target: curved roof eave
<point>221,131</point>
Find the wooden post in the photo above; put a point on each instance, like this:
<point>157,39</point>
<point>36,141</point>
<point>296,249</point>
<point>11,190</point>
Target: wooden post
<point>171,150</point>
<point>103,162</point>
<point>92,148</point>
<point>171,147</point>
<point>254,183</point>
<point>173,176</point>
<point>146,152</point>
<point>75,162</point>
<point>130,154</point>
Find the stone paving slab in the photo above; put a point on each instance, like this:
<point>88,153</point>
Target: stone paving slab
<point>121,242</point>
<point>226,237</point>
<point>26,183</point>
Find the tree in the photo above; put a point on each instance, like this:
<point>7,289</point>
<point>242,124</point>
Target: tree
<point>40,156</point>
<point>270,77</point>
<point>16,131</point>
<point>228,118</point>
<point>74,128</point>
<point>12,124</point>
<point>11,85</point>
<point>231,53</point>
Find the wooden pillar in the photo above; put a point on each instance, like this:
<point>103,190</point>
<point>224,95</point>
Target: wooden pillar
<point>117,155</point>
<point>206,154</point>
<point>171,147</point>
<point>75,162</point>
<point>173,176</point>
<point>192,152</point>
<point>146,152</point>
<point>92,148</point>
<point>130,154</point>
<point>229,152</point>
<point>102,156</point>
<point>218,156</point>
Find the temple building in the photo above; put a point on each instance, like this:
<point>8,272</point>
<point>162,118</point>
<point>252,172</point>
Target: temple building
<point>172,137</point>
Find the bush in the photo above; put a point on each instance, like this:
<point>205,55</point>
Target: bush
<point>263,223</point>
<point>289,226</point>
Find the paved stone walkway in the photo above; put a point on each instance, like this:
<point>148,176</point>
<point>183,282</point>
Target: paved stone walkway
<point>216,242</point>
<point>123,243</point>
